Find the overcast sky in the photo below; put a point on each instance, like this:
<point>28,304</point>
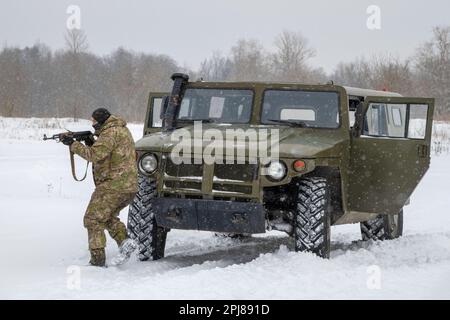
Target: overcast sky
<point>191,30</point>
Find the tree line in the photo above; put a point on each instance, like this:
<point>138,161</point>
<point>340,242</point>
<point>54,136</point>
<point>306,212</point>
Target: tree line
<point>38,82</point>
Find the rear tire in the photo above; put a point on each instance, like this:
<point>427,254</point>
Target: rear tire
<point>383,227</point>
<point>312,217</point>
<point>142,225</point>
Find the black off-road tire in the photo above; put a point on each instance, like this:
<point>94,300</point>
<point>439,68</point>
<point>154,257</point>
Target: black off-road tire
<point>134,217</point>
<point>383,227</point>
<point>142,226</point>
<point>312,217</point>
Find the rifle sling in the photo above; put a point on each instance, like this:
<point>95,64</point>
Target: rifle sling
<point>72,165</point>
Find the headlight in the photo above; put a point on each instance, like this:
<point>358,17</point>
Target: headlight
<point>148,163</point>
<point>276,170</point>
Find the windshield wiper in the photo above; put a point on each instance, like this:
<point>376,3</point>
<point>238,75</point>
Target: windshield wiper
<point>192,120</point>
<point>292,123</point>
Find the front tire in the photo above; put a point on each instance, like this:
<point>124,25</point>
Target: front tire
<point>142,225</point>
<point>312,217</point>
<point>383,227</point>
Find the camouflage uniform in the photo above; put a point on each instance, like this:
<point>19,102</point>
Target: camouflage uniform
<point>115,175</point>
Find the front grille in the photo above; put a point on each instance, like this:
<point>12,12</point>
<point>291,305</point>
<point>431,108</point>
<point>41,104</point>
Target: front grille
<point>238,172</point>
<point>183,185</point>
<point>183,170</point>
<point>227,180</point>
<point>232,188</point>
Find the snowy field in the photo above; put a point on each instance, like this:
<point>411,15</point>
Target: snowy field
<point>43,251</point>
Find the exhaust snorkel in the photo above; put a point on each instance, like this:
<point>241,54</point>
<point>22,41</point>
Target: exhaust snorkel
<point>173,107</point>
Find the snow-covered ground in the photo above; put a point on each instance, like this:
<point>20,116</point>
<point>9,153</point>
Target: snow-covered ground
<point>43,251</point>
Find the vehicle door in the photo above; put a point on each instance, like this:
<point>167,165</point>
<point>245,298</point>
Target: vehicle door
<point>390,154</point>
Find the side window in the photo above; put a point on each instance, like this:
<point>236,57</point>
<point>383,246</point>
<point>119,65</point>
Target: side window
<point>353,106</point>
<point>396,116</point>
<point>417,121</point>
<point>351,117</point>
<point>385,120</point>
<point>396,120</point>
<point>156,113</point>
<point>376,122</point>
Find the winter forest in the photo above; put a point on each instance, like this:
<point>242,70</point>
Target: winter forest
<point>38,82</point>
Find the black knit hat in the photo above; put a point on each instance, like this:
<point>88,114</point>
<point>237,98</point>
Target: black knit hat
<point>101,115</point>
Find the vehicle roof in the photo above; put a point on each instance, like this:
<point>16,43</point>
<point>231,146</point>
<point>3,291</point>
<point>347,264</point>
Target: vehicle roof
<point>359,92</point>
<point>351,91</point>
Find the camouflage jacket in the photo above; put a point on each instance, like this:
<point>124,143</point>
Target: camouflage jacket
<point>113,157</point>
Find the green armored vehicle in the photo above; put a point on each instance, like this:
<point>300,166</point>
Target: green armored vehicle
<point>247,157</point>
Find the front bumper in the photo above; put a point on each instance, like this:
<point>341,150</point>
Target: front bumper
<point>210,215</point>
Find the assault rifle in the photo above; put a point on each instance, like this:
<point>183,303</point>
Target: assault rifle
<point>83,136</point>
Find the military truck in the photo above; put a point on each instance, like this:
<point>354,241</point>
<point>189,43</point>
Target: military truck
<point>345,155</point>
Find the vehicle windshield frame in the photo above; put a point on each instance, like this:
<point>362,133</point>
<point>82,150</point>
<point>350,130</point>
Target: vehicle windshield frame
<point>218,121</point>
<point>268,122</point>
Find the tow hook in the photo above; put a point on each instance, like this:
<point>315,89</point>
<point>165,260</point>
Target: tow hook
<point>239,217</point>
<point>174,213</point>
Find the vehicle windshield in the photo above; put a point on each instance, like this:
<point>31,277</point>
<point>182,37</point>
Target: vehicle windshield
<point>216,105</point>
<point>316,109</point>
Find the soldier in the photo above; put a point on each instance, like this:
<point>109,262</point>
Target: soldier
<point>115,176</point>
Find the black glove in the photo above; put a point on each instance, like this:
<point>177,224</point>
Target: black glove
<point>89,141</point>
<point>67,140</point>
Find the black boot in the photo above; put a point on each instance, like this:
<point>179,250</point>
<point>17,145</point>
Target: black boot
<point>98,257</point>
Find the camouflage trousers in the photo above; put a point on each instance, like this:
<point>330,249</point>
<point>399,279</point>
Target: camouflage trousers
<point>102,214</point>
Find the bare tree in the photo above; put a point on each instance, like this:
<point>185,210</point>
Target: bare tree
<point>13,83</point>
<point>290,58</point>
<point>76,41</point>
<point>76,45</point>
<point>433,69</point>
<point>356,73</point>
<point>249,61</point>
<point>382,72</point>
<point>391,74</point>
<point>216,68</point>
<point>124,81</point>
